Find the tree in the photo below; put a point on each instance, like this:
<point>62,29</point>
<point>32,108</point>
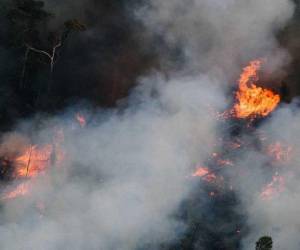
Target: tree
<point>57,41</point>
<point>28,30</point>
<point>26,19</point>
<point>264,243</point>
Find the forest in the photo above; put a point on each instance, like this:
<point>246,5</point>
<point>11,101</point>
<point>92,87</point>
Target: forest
<point>96,55</point>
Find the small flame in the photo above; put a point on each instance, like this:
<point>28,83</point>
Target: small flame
<point>204,173</point>
<point>81,120</point>
<point>33,161</point>
<point>253,101</point>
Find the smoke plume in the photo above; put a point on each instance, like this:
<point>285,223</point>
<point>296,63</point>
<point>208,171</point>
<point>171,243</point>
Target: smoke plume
<point>127,173</point>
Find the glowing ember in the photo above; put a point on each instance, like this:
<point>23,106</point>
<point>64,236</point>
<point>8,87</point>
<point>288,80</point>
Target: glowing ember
<point>81,120</point>
<point>21,190</point>
<point>33,162</point>
<point>275,187</point>
<point>253,101</point>
<point>281,153</point>
<point>204,173</point>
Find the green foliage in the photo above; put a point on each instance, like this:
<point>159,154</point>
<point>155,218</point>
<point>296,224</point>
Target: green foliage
<point>264,243</point>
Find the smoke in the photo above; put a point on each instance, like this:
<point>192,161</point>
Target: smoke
<point>219,33</point>
<point>68,9</point>
<point>218,37</point>
<point>127,172</point>
<point>278,216</point>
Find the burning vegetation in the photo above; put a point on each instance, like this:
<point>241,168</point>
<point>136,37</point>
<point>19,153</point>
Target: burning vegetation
<point>35,161</point>
<point>96,54</point>
<point>253,101</point>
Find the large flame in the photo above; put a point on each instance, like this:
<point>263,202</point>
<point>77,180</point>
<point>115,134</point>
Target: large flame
<point>253,101</point>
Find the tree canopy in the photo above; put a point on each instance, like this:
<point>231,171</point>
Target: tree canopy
<point>264,243</point>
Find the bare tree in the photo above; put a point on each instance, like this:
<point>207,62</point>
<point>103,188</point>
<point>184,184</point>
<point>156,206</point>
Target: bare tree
<point>58,42</point>
<point>51,55</point>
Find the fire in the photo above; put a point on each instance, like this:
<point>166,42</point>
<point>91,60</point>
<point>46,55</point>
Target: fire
<point>204,173</point>
<point>275,187</point>
<point>80,119</point>
<point>253,101</point>
<point>33,161</point>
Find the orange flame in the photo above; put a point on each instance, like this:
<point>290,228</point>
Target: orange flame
<point>33,162</point>
<point>253,101</point>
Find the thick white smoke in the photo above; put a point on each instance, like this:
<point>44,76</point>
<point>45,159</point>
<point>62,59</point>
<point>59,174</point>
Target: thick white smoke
<point>127,173</point>
<point>219,37</point>
<point>277,216</point>
<point>220,33</point>
<point>125,176</point>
